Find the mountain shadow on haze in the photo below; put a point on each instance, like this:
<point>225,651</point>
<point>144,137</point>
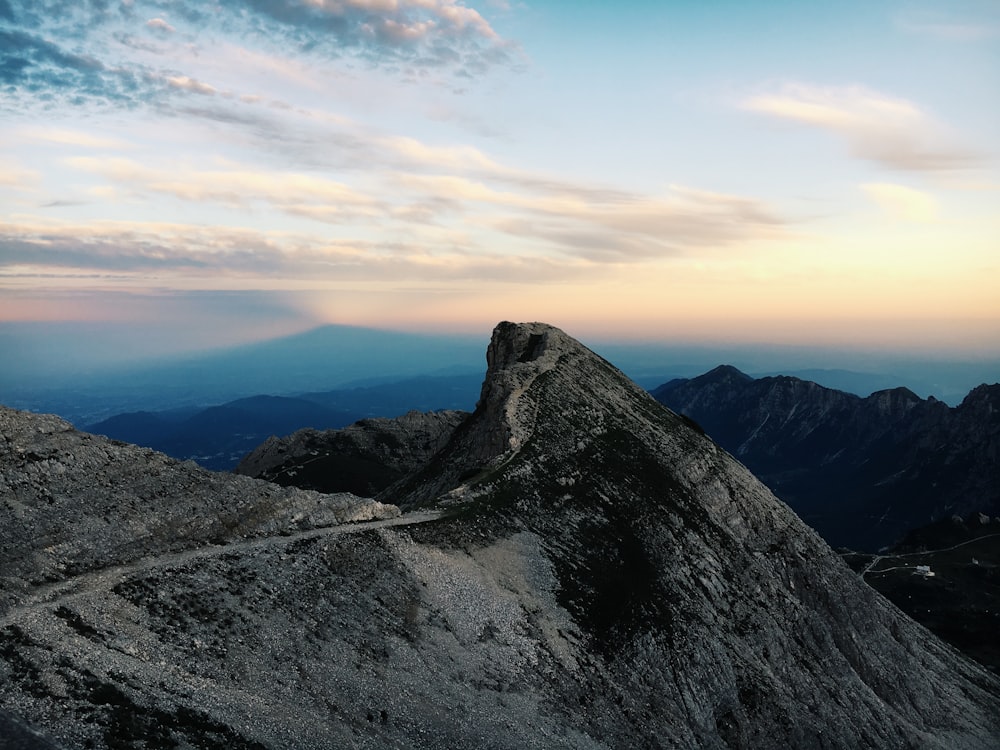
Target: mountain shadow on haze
<point>861,471</point>
<point>315,360</point>
<point>38,375</point>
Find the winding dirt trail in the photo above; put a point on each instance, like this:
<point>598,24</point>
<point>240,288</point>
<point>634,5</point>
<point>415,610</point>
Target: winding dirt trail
<point>106,578</point>
<point>876,559</point>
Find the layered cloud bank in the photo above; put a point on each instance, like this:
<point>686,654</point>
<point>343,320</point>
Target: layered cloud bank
<point>426,162</point>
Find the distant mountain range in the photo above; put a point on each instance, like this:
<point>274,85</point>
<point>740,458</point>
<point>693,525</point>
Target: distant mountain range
<point>219,436</point>
<point>861,471</point>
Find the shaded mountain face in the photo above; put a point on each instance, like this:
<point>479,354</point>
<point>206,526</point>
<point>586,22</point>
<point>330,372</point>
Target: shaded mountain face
<point>363,458</point>
<point>861,471</point>
<point>588,571</point>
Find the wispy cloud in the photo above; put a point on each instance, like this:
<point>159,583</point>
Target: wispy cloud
<point>395,184</point>
<point>176,253</point>
<point>295,193</point>
<point>186,83</point>
<point>950,28</point>
<point>401,207</point>
<point>160,26</point>
<point>433,33</point>
<point>72,138</point>
<point>15,176</point>
<point>435,184</point>
<point>892,132</point>
<point>603,226</point>
<point>901,202</point>
<point>44,71</point>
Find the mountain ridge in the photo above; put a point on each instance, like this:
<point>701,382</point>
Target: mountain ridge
<point>862,470</point>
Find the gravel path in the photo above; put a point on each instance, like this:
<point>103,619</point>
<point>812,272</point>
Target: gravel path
<point>65,590</point>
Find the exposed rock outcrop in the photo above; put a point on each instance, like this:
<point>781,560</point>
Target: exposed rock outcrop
<point>603,576</point>
<point>861,471</point>
<point>363,458</point>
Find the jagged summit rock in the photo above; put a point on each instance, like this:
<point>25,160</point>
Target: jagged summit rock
<point>518,356</point>
<point>601,576</point>
<point>985,397</point>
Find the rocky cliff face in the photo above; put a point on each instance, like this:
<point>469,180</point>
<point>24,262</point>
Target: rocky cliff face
<point>363,458</point>
<point>592,573</point>
<point>862,471</point>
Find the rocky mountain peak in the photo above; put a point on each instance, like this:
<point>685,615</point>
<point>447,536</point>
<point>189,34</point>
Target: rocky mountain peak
<point>669,555</point>
<point>517,354</point>
<point>363,458</point>
<point>894,401</point>
<point>726,373</point>
<point>985,398</point>
<point>541,385</point>
<point>520,343</point>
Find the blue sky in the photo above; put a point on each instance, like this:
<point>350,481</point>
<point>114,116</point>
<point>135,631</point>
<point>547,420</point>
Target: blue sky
<point>775,172</point>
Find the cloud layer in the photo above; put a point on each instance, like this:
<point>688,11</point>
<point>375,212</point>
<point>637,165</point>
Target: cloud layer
<point>57,52</point>
<point>892,132</point>
<point>407,154</point>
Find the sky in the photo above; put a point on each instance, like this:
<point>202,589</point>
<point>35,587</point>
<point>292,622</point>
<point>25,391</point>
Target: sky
<point>823,174</point>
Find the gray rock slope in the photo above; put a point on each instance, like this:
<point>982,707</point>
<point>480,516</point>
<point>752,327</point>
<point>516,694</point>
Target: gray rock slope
<point>591,572</point>
<point>72,502</point>
<point>363,458</point>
